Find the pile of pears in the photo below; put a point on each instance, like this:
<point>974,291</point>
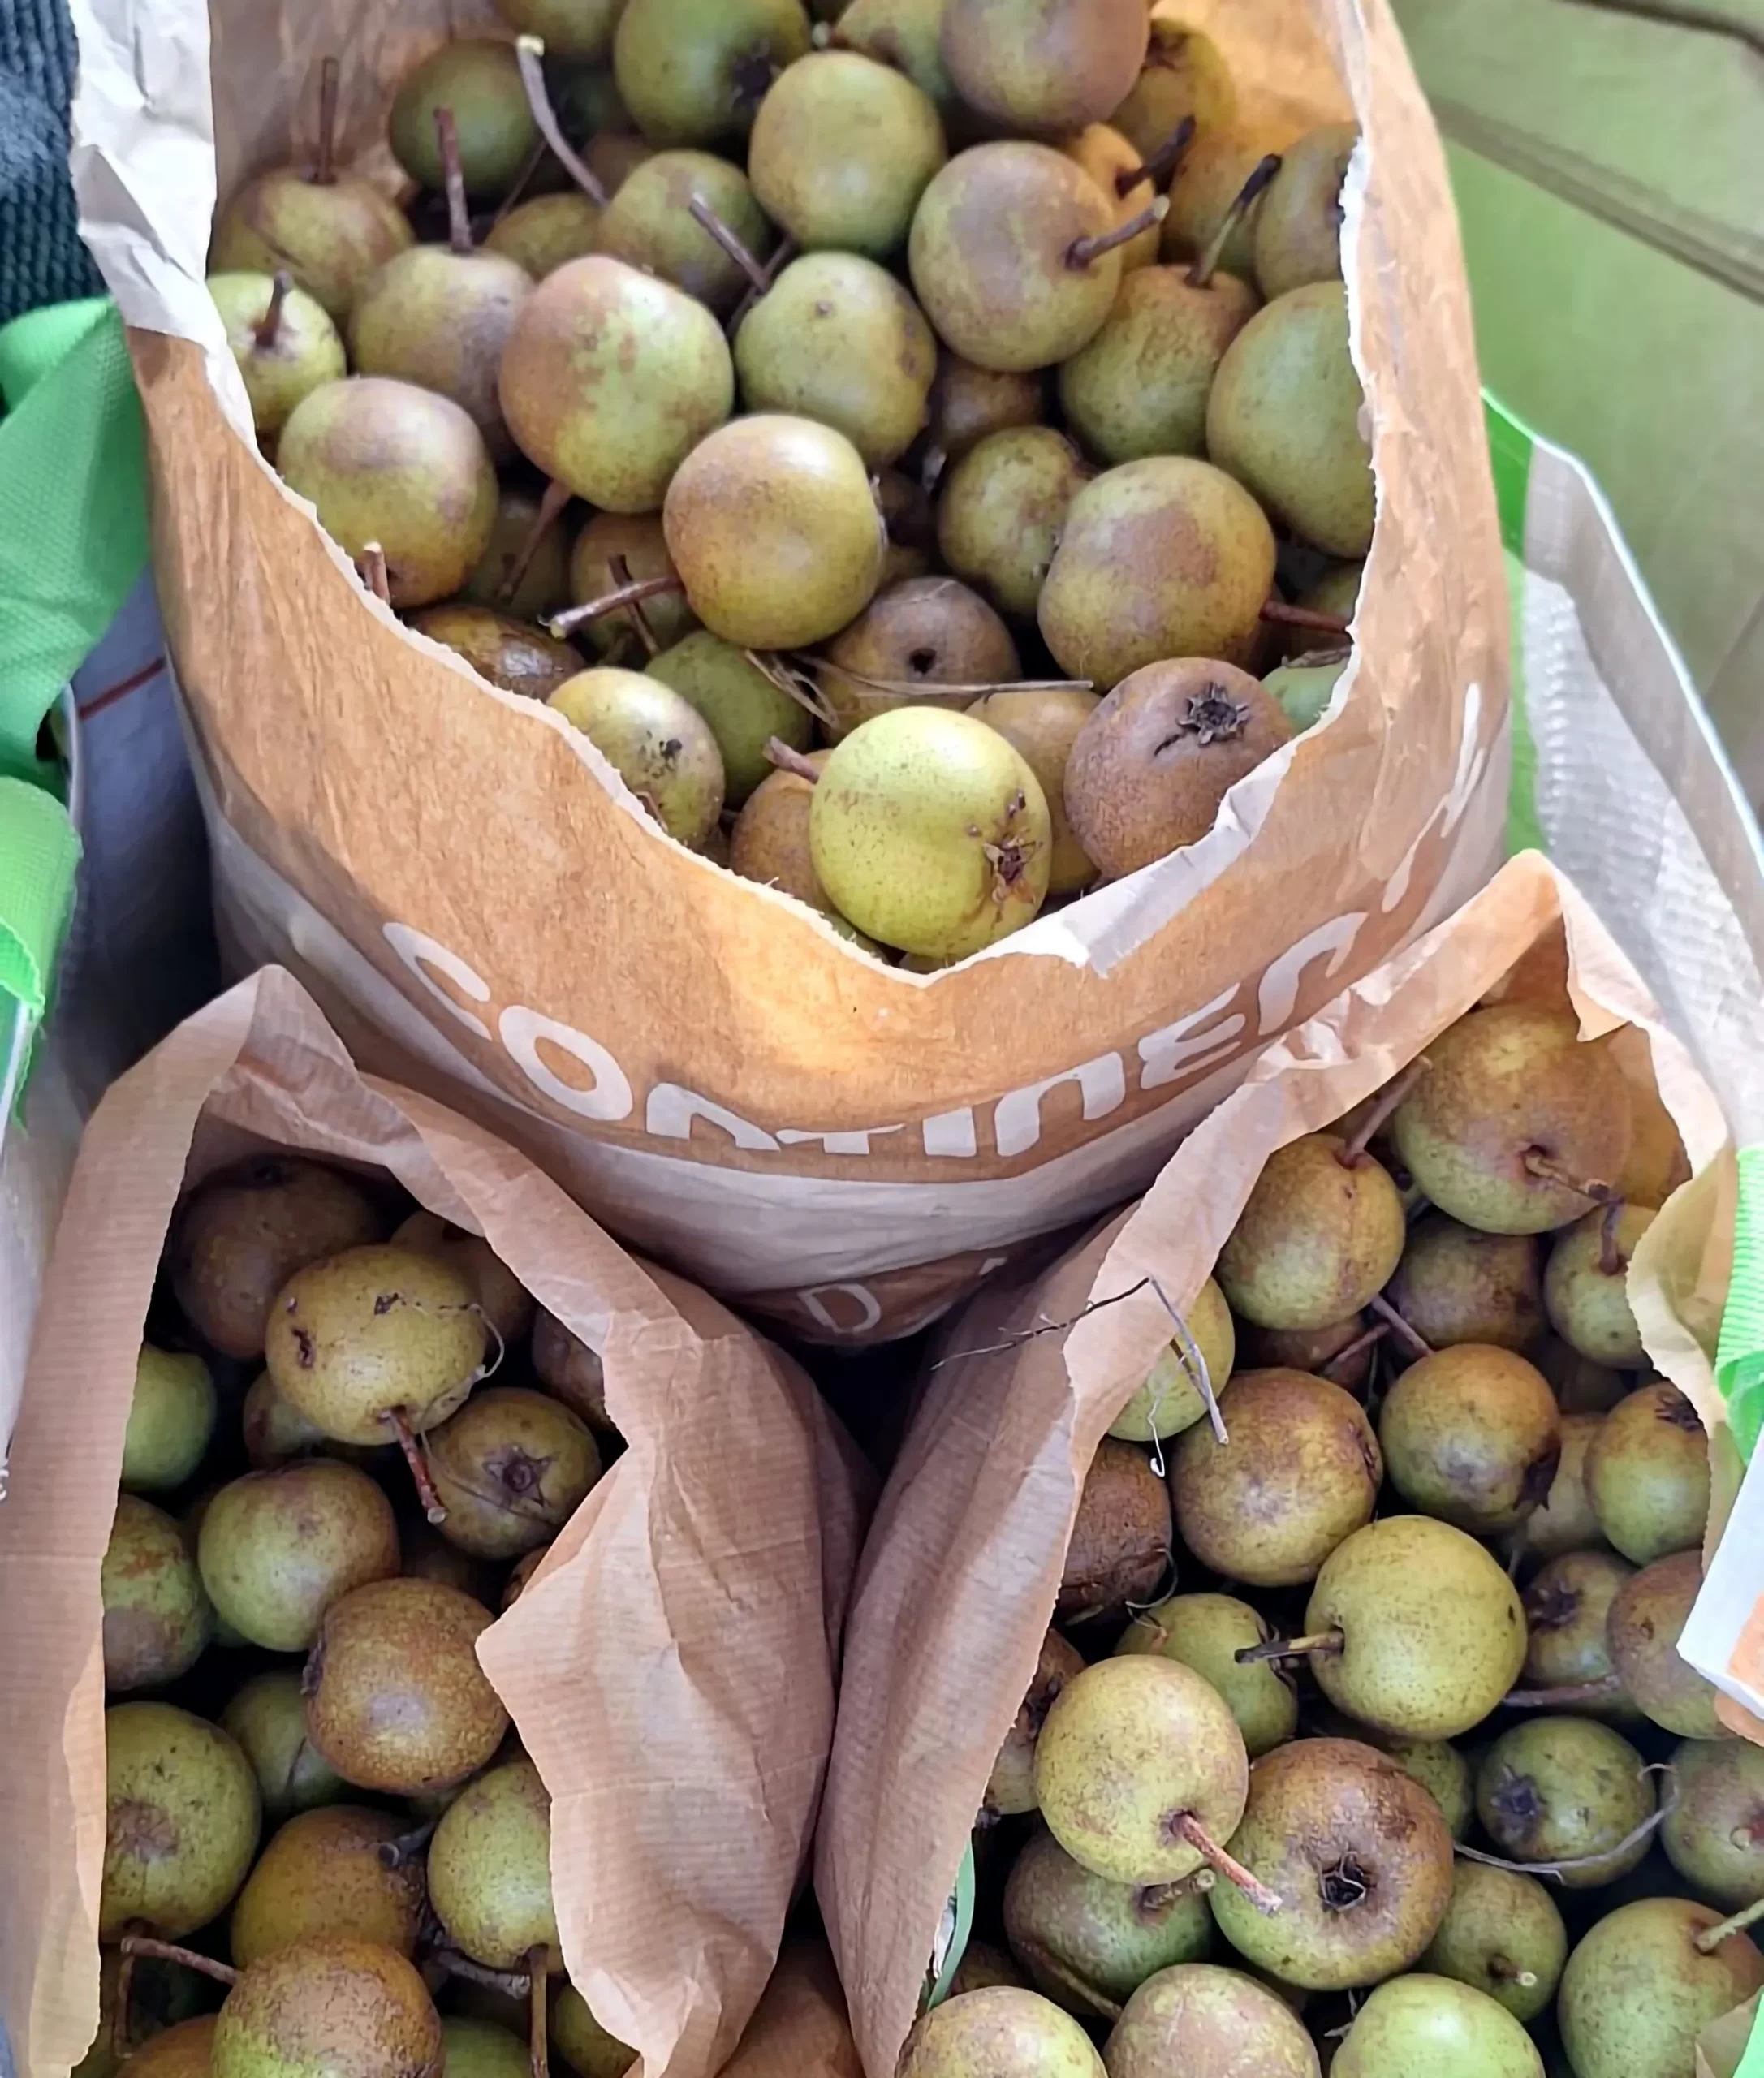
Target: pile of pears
<point>314,1795</point>
<point>1360,1741</point>
<point>892,433</point>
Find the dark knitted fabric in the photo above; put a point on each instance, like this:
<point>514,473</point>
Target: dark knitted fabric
<point>41,259</point>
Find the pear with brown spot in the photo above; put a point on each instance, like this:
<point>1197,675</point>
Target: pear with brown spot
<point>770,841</point>
<point>1566,1605</point>
<point>157,1619</point>
<point>909,642</point>
<point>507,651</point>
<point>1042,723</point>
<point>1502,1934</point>
<point>1715,1836</point>
<point>970,403</point>
<point>649,225</point>
<point>656,740</point>
<point>1645,1621</point>
<point>396,1701</point>
<point>1318,1238</point>
<point>181,1822</point>
<point>512,1467</point>
<point>1455,1285</point>
<point>1120,1547</point>
<point>1045,66</point>
<point>350,2009</point>
<point>1473,1435</point>
<point>1565,1521</point>
<point>278,1548</point>
<point>323,1873</point>
<point>243,1233</point>
<point>1299,1474</point>
<point>1003,509</point>
<point>1569,1790</point>
<point>1647,1474</point>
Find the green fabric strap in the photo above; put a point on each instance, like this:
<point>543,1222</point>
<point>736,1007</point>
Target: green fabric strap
<point>1510,447</point>
<point>1739,1355</point>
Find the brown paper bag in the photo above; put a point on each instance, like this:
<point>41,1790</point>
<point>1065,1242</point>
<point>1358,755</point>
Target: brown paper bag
<point>958,1576</point>
<point>670,1669</point>
<point>484,911</point>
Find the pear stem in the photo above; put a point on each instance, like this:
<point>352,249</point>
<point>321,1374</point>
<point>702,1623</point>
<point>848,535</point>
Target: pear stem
<point>1388,1099</point>
<point>1400,1328</point>
<point>1329,1641</point>
<point>373,572</point>
<point>1155,1896</point>
<point>268,328</point>
<point>787,760</point>
<point>550,511</point>
<point>1091,2001</point>
<point>621,577</point>
<point>1083,251</point>
<point>713,225</point>
<point>324,166</point>
<point>1187,1827</point>
<point>1549,1171</point>
<point>396,1418</point>
<point>523,181</point>
<point>512,1984</point>
<point>401,1852</point>
<point>1712,1937</point>
<point>1506,1972</point>
<point>1206,264</point>
<point>453,180</point>
<point>537,2048</point>
<point>1162,162</point>
<point>529,54</point>
<point>1283,615</point>
<point>612,602</point>
<point>1565,1696</point>
<point>1360,1344</point>
<point>785,251</point>
<point>1610,1260</point>
<point>166,1952</point>
<point>123,1999</point>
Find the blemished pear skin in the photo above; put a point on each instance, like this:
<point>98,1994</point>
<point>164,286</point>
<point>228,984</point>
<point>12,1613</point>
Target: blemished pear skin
<point>1119,1550</point>
<point>1048,67</point>
<point>774,530</point>
<point>1141,1771</point>
<point>1168,558</point>
<point>479,79</point>
<point>1151,766</point>
<point>1170,1399</point>
<point>1512,1103</point>
<point>1439,2019</point>
<point>1647,1474</point>
<point>170,1419</point>
<point>374,1334</point>
<point>1087,1943</point>
<point>185,2049</point>
<point>1471,1434</point>
<point>770,841</point>
<point>283,341</point>
<point>609,380</point>
<point>969,404</point>
<point>489,1868</point>
<point>659,743</point>
<point>1359,1855</point>
<point>1640,1989</point>
<point>350,2009</point>
<point>998,2033</point>
<point>1567,1602</point>
<point>508,653</point>
<point>843,148</point>
<point>1320,1236</point>
<point>323,1873</point>
<point>240,1235</point>
<point>396,1701</point>
<point>1003,510</point>
<point>1298,229</point>
<point>1043,726</point>
<point>1000,258</point>
<point>1200,2015</point>
<point>1565,1521</point>
<point>157,1619</point>
<point>331,234</point>
<point>1432,1631</point>
<point>1643,1626</point>
<point>1569,1792</point>
<point>837,339</point>
<point>1500,1929</point>
<point>1207,1631</point>
<point>181,1823</point>
<point>1011,1789</point>
<point>387,464</point>
<point>696,71</point>
<point>1585,1286</point>
<point>1300,1475</point>
<point>741,707</point>
<point>278,1548</point>
<point>1715,1836</point>
<point>931,833</point>
<point>1284,417</point>
<point>1455,1285</point>
<point>512,1467</point>
<point>913,638</point>
<point>649,225</point>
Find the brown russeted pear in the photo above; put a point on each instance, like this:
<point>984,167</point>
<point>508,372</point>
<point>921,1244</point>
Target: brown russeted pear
<point>512,1467</point>
<point>998,2033</point>
<point>324,1872</point>
<point>1011,1789</point>
<point>157,1619</point>
<point>1284,416</point>
<point>1513,1114</point>
<point>1119,1550</point>
<point>510,653</point>
<point>970,403</point>
<point>1003,510</point>
<point>1044,65</point>
<point>1455,1285</point>
<point>770,839</point>
<point>350,2009</point>
<point>1300,1475</point>
<point>611,378</point>
<point>1471,1434</point>
<point>1042,724</point>
<point>1645,1618</point>
<point>1159,558</point>
<point>1714,1836</point>
<point>1567,1604</point>
<point>910,641</point>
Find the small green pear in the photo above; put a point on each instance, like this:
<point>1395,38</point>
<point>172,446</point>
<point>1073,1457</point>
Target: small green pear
<point>1585,1287</point>
<point>1319,1237</point>
<point>1088,1943</point>
<point>541,235</point>
<point>1471,1434</point>
<point>1434,2027</point>
<point>696,71</point>
<point>904,33</point>
<point>170,1419</point>
<point>278,1548</point>
<point>1002,512</point>
<point>637,541</point>
<point>489,1868</point>
<point>1640,1989</point>
<point>1206,1633</point>
<point>182,1819</point>
<point>1298,231</point>
<point>1647,1474</point>
<point>331,233</point>
<point>1502,1935</point>
<point>998,2033</point>
<point>1198,2017</point>
<point>1567,1791</point>
<point>283,341</point>
<point>545,585</point>
<point>1714,1836</point>
<point>656,740</point>
<point>650,224</point>
<point>479,81</point>
<point>267,1717</point>
<point>741,706</point>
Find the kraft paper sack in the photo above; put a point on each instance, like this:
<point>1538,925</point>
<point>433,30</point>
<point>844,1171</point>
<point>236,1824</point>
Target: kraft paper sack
<point>670,1670</point>
<point>485,912</point>
<point>957,1584</point>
